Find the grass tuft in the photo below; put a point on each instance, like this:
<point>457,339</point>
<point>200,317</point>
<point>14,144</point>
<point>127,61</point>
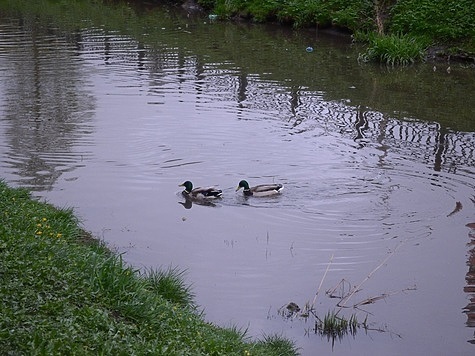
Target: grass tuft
<point>170,284</point>
<point>333,325</point>
<point>395,49</point>
<point>277,344</point>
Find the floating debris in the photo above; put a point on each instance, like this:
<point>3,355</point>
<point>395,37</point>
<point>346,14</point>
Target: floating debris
<point>293,307</point>
<point>458,207</point>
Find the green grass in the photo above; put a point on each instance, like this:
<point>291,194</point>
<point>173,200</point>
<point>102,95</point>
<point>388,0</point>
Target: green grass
<point>351,14</point>
<point>333,325</point>
<point>63,292</point>
<point>445,20</point>
<point>395,49</point>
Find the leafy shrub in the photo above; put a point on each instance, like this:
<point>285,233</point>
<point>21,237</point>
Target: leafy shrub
<point>448,19</point>
<point>350,14</point>
<point>264,10</point>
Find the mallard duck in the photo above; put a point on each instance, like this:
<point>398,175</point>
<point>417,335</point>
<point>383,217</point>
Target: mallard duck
<point>200,193</point>
<point>260,190</point>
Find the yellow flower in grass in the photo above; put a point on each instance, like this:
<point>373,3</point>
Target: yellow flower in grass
<point>58,235</point>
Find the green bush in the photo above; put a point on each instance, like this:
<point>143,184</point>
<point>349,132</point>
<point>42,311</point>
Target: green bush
<point>298,12</point>
<point>350,14</point>
<point>439,19</point>
<point>442,19</point>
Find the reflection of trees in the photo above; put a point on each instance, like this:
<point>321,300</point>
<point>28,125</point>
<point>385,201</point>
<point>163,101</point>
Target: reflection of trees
<point>307,111</point>
<point>223,64</point>
<point>470,287</point>
<point>301,108</point>
<point>56,105</point>
<point>46,109</point>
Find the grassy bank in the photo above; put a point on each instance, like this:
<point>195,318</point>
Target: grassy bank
<point>63,292</point>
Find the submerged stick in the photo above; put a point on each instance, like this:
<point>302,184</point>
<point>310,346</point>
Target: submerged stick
<point>321,282</point>
<point>340,284</point>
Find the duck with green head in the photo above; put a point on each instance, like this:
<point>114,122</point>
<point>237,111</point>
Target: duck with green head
<point>261,190</point>
<point>200,193</point>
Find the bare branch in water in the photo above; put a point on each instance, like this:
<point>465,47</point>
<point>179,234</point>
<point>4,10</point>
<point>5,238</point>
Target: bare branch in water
<point>309,307</point>
<point>358,287</point>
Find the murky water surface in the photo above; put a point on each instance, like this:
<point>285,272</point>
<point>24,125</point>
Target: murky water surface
<point>377,163</point>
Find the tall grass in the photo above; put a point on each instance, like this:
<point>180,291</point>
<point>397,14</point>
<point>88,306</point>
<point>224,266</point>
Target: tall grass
<point>334,326</point>
<point>395,49</point>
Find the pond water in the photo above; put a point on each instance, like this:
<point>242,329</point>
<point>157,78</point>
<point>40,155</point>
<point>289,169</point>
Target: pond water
<point>378,166</point>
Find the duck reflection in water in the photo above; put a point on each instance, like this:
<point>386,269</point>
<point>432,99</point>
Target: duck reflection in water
<point>188,203</point>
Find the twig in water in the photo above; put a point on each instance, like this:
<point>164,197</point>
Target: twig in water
<point>345,300</point>
<point>311,306</point>
<point>332,292</point>
<point>372,300</point>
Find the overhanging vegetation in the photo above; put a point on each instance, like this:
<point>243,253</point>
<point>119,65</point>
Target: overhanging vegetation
<point>397,31</point>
